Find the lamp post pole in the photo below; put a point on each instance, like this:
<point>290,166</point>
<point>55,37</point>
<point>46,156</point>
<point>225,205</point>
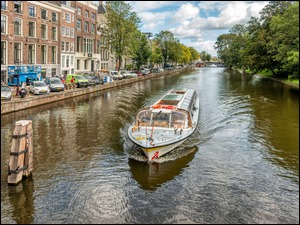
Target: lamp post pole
<point>18,63</point>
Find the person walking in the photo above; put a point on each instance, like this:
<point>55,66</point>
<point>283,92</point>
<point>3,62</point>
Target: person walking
<point>72,80</point>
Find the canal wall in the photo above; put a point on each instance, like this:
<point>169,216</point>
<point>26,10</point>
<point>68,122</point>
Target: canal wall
<point>17,104</point>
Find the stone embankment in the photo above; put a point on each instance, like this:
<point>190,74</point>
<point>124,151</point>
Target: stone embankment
<point>17,103</point>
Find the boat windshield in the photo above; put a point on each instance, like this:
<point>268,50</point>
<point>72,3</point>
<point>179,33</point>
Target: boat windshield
<point>174,119</point>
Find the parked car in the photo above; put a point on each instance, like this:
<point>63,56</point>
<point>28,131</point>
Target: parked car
<point>91,81</point>
<point>132,74</point>
<point>79,80</point>
<point>55,84</point>
<point>98,79</point>
<point>145,71</point>
<point>138,73</point>
<point>39,87</point>
<point>125,74</point>
<point>6,93</point>
<point>115,75</point>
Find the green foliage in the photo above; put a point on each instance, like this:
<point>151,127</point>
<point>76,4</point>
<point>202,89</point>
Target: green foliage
<point>122,28</point>
<point>270,42</point>
<point>143,52</point>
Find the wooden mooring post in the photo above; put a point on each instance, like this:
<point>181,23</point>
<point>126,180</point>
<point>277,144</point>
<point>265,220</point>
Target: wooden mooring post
<point>21,154</point>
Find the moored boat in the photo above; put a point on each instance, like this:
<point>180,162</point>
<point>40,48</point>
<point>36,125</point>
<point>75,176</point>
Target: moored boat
<point>167,123</point>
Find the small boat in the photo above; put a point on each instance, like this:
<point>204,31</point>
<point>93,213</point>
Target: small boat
<point>168,122</point>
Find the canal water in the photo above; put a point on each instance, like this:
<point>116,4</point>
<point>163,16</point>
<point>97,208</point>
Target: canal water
<point>241,166</point>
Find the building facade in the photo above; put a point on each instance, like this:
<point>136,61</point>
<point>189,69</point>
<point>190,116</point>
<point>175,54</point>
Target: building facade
<point>67,38</point>
<point>30,36</point>
<point>61,37</point>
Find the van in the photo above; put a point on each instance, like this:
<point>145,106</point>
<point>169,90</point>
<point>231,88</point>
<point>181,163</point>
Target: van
<point>79,80</point>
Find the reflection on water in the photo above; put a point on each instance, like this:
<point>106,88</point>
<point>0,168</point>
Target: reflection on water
<point>152,175</point>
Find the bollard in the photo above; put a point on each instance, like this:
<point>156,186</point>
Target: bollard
<point>21,154</point>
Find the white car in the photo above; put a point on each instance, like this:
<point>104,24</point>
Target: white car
<point>115,75</point>
<point>39,87</point>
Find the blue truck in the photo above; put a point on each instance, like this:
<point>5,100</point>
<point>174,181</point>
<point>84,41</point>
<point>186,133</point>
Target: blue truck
<point>19,74</point>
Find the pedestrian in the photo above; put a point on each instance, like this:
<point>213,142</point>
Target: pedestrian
<point>72,80</point>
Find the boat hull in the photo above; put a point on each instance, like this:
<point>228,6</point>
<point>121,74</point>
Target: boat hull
<point>156,152</point>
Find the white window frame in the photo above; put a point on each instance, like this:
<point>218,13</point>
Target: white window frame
<point>34,56</point>
<point>72,32</point>
<point>34,16</point>
<point>46,14</point>
<point>63,31</point>
<point>5,54</point>
<point>46,55</point>
<point>68,31</point>
<point>21,26</point>
<point>21,50</point>
<point>55,38</point>
<point>68,17</point>
<point>6,24</point>
<point>46,36</point>
<point>34,28</point>
<point>55,56</point>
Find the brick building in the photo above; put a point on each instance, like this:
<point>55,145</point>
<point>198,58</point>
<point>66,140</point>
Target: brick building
<point>30,35</point>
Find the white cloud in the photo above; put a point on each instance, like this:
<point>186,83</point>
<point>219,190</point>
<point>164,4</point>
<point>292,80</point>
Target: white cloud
<point>186,11</point>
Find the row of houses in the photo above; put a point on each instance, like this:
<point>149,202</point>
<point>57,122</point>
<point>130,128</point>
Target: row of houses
<point>62,37</point>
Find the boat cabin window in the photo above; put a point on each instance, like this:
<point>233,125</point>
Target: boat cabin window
<point>159,119</point>
<point>179,120</point>
<point>143,118</point>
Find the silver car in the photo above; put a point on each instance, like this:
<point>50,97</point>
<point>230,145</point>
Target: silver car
<point>55,84</point>
<point>6,93</point>
<point>39,87</point>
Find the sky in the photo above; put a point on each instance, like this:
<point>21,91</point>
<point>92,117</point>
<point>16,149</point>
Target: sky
<point>196,23</point>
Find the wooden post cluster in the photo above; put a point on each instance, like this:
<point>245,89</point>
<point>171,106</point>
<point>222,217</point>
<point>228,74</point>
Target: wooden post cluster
<point>21,154</point>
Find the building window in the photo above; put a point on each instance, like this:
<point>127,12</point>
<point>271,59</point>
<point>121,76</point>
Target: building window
<point>67,46</point>
<point>54,17</point>
<point>78,27</point>
<point>72,46</point>
<point>78,64</point>
<point>31,29</point>
<point>44,31</point>
<point>98,46</point>
<point>68,32</point>
<point>68,17</point>
<point>53,59</point>
<point>93,28</point>
<point>93,16</point>
<point>88,45</point>
<point>17,52</point>
<point>31,11</point>
<point>17,7</point>
<point>67,61</point>
<point>31,54</point>
<point>79,11</point>
<point>54,33</point>
<point>63,61</point>
<point>85,64</point>
<point>86,26</point>
<point>62,46</point>
<point>63,29</point>
<point>44,14</point>
<point>3,24</point>
<point>53,72</point>
<point>3,52</point>
<point>4,5</point>
<point>17,26</point>
<point>78,44</point>
<point>72,32</point>
<point>72,61</point>
<point>44,53</point>
<point>86,13</point>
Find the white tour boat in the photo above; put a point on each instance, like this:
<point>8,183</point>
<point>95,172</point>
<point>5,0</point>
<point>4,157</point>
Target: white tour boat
<point>164,125</point>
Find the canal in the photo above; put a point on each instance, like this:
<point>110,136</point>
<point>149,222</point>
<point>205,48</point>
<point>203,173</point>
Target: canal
<point>241,166</point>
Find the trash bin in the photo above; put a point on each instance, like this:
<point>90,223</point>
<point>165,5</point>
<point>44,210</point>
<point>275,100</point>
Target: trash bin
<point>106,79</point>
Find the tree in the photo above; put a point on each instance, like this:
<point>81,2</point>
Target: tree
<point>121,28</point>
<point>165,39</point>
<point>143,51</point>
